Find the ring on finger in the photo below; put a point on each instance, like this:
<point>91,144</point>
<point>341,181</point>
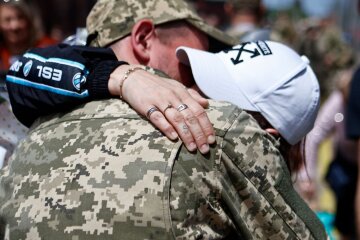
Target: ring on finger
<point>167,107</point>
<point>182,107</point>
<point>151,111</point>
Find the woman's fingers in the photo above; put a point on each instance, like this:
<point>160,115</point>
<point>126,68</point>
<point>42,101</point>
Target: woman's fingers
<point>146,92</point>
<point>159,120</point>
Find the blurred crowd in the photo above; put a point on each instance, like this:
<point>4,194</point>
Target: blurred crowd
<point>322,34</point>
<point>326,36</point>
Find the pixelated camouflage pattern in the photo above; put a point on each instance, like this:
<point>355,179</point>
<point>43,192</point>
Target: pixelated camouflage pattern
<point>103,172</point>
<point>111,20</point>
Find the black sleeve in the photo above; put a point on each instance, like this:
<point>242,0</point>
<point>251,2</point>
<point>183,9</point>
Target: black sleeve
<point>54,79</point>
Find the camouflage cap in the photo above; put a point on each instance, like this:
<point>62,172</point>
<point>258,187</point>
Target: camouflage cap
<point>111,20</point>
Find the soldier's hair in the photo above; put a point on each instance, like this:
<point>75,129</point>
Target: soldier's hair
<point>166,31</point>
<point>181,28</point>
<point>294,155</point>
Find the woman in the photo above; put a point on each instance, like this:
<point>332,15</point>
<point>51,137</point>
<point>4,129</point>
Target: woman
<point>19,31</point>
<point>267,79</point>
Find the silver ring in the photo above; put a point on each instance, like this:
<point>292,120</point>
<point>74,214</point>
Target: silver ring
<point>182,107</point>
<point>167,107</point>
<point>151,111</point>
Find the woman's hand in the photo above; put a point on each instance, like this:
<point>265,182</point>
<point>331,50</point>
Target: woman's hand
<point>144,90</point>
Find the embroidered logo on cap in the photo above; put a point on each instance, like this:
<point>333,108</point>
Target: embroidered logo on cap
<point>249,48</point>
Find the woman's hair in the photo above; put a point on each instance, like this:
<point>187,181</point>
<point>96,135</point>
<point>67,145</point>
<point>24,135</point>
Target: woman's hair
<point>293,154</point>
<point>30,14</point>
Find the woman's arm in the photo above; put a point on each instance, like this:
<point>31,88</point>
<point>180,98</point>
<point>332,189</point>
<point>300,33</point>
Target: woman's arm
<point>55,79</point>
<point>58,78</point>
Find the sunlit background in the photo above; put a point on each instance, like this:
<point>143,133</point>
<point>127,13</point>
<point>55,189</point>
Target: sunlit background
<point>62,17</point>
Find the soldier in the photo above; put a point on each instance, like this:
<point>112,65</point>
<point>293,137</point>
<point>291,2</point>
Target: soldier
<point>102,171</point>
<point>323,42</point>
<point>199,132</point>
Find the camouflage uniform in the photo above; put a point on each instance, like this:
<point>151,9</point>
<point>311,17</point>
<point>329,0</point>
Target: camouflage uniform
<point>103,172</point>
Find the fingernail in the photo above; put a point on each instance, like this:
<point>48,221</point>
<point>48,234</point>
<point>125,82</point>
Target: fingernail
<point>192,147</point>
<point>211,139</point>
<point>174,135</point>
<point>204,148</point>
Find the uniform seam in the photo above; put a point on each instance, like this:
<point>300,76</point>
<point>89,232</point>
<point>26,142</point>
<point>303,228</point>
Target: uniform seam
<point>217,162</point>
<point>39,127</point>
<point>262,194</point>
<point>166,209</point>
<point>253,184</point>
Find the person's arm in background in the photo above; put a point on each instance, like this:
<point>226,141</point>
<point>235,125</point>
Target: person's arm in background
<point>56,79</point>
<point>353,132</point>
<point>323,127</point>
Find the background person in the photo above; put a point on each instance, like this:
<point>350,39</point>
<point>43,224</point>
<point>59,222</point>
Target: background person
<point>246,19</point>
<point>353,132</point>
<point>342,172</point>
<point>19,31</point>
<point>323,42</point>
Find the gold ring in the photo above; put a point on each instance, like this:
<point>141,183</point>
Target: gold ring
<point>168,106</point>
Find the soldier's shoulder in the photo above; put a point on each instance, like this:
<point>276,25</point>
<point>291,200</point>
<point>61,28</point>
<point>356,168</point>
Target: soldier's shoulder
<point>239,128</point>
<point>223,115</point>
<point>220,113</point>
<point>105,109</point>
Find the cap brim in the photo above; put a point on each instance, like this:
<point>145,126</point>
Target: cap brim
<point>220,40</point>
<point>212,77</point>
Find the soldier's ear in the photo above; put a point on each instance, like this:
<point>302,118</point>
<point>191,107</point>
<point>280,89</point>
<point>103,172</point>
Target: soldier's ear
<point>142,35</point>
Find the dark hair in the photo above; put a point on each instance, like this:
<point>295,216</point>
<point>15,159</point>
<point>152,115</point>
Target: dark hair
<point>294,155</point>
<point>180,27</point>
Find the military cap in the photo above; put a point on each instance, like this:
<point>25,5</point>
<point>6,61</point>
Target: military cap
<point>111,20</point>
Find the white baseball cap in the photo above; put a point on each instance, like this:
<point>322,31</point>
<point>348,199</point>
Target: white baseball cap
<point>263,76</point>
